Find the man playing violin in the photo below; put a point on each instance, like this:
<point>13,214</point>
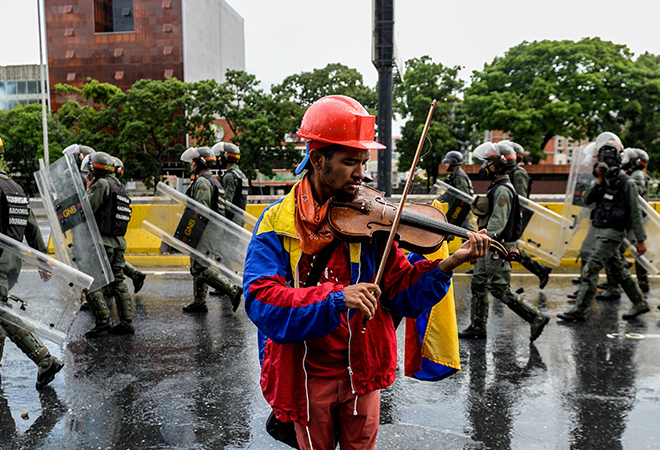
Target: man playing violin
<point>308,292</point>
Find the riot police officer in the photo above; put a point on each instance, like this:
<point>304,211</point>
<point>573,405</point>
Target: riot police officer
<point>79,153</point>
<point>500,214</point>
<point>206,190</point>
<point>523,184</point>
<point>18,221</point>
<point>112,211</point>
<point>634,161</point>
<point>615,196</point>
<point>457,179</point>
<point>129,270</point>
<point>234,182</point>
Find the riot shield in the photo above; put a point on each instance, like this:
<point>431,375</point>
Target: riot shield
<point>198,232</point>
<point>247,219</point>
<point>542,232</point>
<point>46,307</point>
<point>458,203</point>
<point>75,234</point>
<point>651,259</point>
<point>542,228</point>
<point>576,235</point>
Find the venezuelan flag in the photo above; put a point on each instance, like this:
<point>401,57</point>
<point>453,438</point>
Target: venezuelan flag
<point>431,342</point>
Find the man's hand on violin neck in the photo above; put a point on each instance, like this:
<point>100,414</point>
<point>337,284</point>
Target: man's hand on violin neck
<point>474,248</point>
<point>362,296</point>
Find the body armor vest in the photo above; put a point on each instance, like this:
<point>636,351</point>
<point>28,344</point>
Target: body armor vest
<point>114,214</point>
<point>240,194</point>
<point>611,211</point>
<point>14,210</point>
<point>459,173</point>
<point>216,204</point>
<point>512,175</point>
<point>513,228</point>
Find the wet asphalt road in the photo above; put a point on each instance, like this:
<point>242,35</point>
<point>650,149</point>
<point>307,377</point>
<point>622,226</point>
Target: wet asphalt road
<point>192,382</point>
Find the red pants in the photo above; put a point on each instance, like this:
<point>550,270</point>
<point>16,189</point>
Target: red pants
<point>332,399</point>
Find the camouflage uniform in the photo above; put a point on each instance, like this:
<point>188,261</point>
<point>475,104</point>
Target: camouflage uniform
<point>608,242</point>
<point>98,195</point>
<point>458,179</point>
<point>494,275</point>
<point>613,291</point>
<point>12,327</point>
<point>235,185</point>
<point>203,275</point>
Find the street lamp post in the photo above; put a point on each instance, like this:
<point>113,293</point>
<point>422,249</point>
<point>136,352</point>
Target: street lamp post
<point>43,89</point>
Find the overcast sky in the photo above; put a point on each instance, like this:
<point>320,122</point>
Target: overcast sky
<point>283,37</point>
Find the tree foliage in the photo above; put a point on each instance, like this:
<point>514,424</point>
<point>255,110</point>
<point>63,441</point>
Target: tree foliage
<point>541,89</point>
<point>424,82</point>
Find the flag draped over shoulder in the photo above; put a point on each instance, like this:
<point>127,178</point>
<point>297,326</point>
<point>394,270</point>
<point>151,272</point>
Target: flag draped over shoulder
<point>431,343</point>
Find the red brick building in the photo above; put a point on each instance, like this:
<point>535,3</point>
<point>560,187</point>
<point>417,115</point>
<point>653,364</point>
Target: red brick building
<point>122,41</point>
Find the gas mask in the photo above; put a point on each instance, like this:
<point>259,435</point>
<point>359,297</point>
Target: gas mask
<point>487,171</point>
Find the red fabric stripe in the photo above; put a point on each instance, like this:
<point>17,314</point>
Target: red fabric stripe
<point>273,291</point>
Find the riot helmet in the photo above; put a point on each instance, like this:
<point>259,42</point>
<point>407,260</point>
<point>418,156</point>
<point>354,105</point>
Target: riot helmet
<point>202,156</point>
<point>497,159</point>
<point>453,158</point>
<point>609,139</point>
<point>520,151</point>
<point>634,159</point>
<point>609,152</point>
<point>99,163</point>
<point>119,167</point>
<point>78,151</point>
<point>226,152</point>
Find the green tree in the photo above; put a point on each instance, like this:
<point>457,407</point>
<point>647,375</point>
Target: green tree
<point>424,82</point>
<point>305,88</point>
<point>641,112</point>
<point>22,133</point>
<point>541,89</point>
<point>153,125</point>
<point>259,123</point>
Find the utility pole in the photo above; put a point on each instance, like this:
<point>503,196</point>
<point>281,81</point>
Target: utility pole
<point>383,59</point>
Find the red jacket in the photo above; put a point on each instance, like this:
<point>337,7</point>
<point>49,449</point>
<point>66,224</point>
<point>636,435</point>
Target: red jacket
<point>288,315</point>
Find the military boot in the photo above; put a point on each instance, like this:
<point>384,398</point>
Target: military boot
<point>609,295</point>
<point>578,312</point>
<point>544,277</point>
<point>236,298</point>
<point>198,304</point>
<point>635,295</point>
<point>30,344</point>
<point>47,369</point>
<point>138,281</point>
<point>99,308</point>
<point>125,312</point>
<point>528,312</point>
<point>478,318</point>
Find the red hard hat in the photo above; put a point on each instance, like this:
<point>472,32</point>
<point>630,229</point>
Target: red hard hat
<point>337,119</point>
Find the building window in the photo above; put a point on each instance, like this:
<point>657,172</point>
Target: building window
<point>113,16</point>
<point>560,142</point>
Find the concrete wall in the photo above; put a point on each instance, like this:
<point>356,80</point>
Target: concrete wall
<point>213,40</point>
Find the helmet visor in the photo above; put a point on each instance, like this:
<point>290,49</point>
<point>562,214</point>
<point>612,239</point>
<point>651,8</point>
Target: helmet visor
<point>485,151</point>
<point>189,155</point>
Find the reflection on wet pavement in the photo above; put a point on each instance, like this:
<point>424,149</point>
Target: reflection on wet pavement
<point>192,381</point>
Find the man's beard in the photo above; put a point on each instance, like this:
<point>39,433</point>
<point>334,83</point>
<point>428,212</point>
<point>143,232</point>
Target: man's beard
<point>339,194</point>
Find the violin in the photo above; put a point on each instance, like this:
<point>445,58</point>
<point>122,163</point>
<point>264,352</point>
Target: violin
<point>422,228</point>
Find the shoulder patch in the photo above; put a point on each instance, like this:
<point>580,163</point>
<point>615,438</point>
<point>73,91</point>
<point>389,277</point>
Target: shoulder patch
<point>501,202</point>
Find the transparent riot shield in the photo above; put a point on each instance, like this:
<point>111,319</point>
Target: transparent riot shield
<point>76,237</point>
<point>241,218</point>
<point>458,203</point>
<point>651,259</point>
<point>542,228</point>
<point>542,232</point>
<point>44,295</point>
<point>198,232</point>
<point>576,235</point>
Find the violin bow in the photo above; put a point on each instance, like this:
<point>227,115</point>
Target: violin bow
<point>404,196</point>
